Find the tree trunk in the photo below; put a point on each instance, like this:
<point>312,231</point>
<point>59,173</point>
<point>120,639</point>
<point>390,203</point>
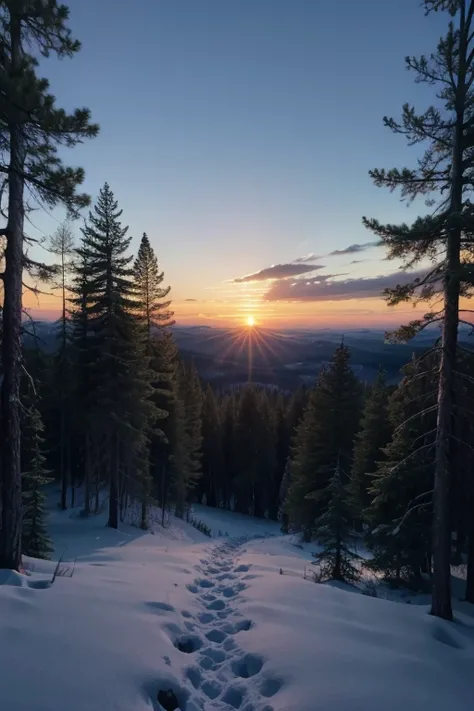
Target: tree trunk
<point>441,596</point>
<point>64,476</point>
<point>10,490</point>
<point>87,476</point>
<point>113,490</point>
<point>470,561</point>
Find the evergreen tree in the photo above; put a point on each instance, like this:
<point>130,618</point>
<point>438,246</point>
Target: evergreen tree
<point>152,309</point>
<point>62,246</point>
<point>187,473</point>
<point>210,484</point>
<point>444,237</point>
<point>374,434</point>
<point>35,540</point>
<point>324,437</point>
<point>332,530</point>
<point>229,448</point>
<point>283,493</point>
<point>120,367</point>
<point>253,467</point>
<point>32,129</point>
<point>400,513</point>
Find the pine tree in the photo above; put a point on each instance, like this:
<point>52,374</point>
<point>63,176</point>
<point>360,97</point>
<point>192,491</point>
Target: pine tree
<point>374,434</point>
<point>444,237</point>
<point>229,448</point>
<point>210,484</point>
<point>332,530</point>
<point>324,437</point>
<point>32,129</point>
<point>35,540</point>
<point>400,513</point>
<point>62,245</point>
<point>190,412</point>
<point>83,384</point>
<point>283,493</point>
<point>152,309</point>
<point>120,367</point>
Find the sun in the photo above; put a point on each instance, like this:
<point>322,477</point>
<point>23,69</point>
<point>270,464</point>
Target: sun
<point>250,321</point>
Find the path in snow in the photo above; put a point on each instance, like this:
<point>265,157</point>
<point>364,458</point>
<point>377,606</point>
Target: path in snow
<point>221,675</point>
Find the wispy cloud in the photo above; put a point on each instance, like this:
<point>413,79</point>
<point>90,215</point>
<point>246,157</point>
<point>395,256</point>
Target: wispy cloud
<point>354,248</point>
<point>309,258</point>
<point>278,271</point>
<point>190,299</point>
<point>325,288</point>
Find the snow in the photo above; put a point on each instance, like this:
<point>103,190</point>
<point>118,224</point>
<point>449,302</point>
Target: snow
<point>225,623</point>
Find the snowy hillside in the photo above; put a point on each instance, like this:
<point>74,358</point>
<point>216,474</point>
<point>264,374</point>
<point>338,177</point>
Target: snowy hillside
<point>212,624</point>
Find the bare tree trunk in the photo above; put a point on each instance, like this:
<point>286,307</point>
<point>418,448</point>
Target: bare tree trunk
<point>64,477</point>
<point>10,490</point>
<point>470,559</point>
<point>87,476</point>
<point>113,490</point>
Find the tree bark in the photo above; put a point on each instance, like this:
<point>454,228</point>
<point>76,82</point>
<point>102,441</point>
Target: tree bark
<point>470,558</point>
<point>113,490</point>
<point>87,476</point>
<point>10,490</point>
<point>441,595</point>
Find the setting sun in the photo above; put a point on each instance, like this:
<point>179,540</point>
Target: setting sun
<point>250,321</point>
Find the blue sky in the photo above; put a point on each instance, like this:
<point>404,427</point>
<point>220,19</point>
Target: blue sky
<point>239,133</point>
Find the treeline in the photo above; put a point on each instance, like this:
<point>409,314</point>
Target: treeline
<point>366,462</point>
<point>114,405</point>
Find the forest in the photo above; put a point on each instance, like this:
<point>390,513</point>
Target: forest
<point>115,408</point>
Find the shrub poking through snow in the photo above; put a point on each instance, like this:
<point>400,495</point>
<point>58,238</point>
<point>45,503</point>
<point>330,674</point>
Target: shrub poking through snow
<point>201,526</point>
<point>333,530</point>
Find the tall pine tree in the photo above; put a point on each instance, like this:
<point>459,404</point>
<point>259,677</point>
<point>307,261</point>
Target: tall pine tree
<point>32,130</point>
<point>323,441</point>
<point>445,174</point>
<point>374,434</point>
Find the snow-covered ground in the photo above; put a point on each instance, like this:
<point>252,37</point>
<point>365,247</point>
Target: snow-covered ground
<point>224,623</point>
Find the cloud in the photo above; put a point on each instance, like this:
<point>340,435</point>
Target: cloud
<point>354,248</point>
<point>320,288</point>
<point>279,271</point>
<point>309,258</point>
<point>190,299</point>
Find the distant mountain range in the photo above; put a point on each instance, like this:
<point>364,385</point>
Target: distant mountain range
<point>283,359</point>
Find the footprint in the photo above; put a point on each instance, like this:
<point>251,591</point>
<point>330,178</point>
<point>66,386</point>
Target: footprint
<point>211,689</point>
<point>208,597</point>
<point>188,644</point>
<point>216,605</point>
<point>233,696</point>
<point>205,583</point>
<point>160,607</point>
<point>185,613</point>
<point>190,626</point>
<point>243,625</point>
<point>241,569</point>
<point>207,663</point>
<point>192,588</point>
<point>270,686</point>
<point>229,644</point>
<point>205,617</point>
<point>247,666</point>
<point>216,636</point>
<point>229,592</point>
<point>194,676</point>
<point>215,654</point>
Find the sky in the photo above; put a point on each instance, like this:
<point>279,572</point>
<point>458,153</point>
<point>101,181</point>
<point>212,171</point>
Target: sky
<point>238,134</point>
